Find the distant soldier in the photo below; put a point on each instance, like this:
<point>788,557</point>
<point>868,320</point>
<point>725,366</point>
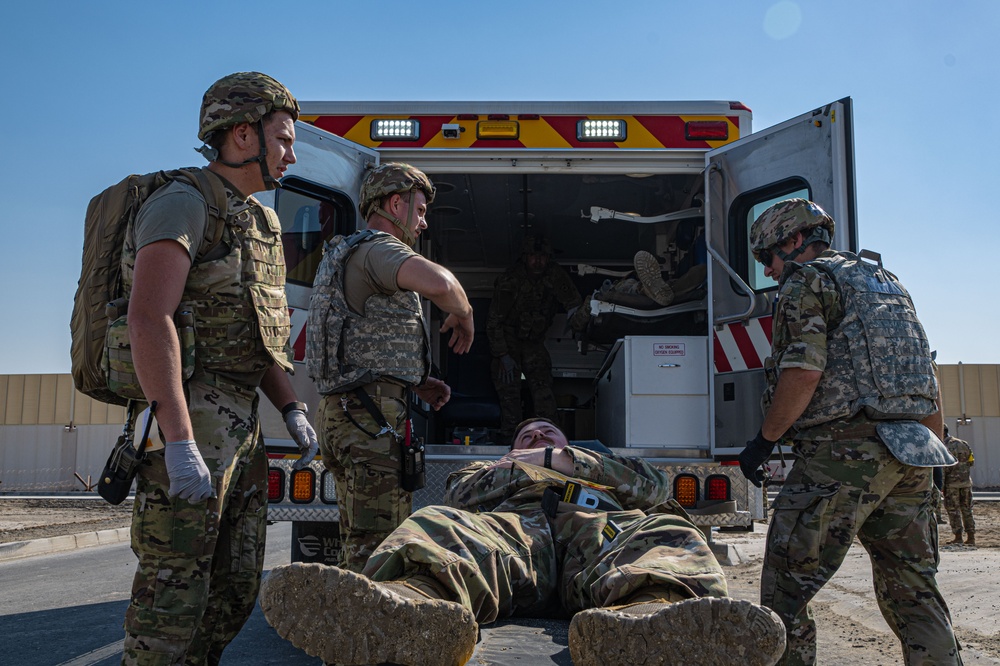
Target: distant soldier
<point>958,490</point>
<point>523,306</point>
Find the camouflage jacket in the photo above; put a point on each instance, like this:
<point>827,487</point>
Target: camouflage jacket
<point>856,324</point>
<point>632,483</point>
<point>959,475</point>
<point>523,307</point>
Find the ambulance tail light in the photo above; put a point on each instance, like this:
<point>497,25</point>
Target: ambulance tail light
<point>717,488</point>
<point>706,130</point>
<point>395,129</point>
<point>601,130</point>
<point>303,486</point>
<point>275,484</point>
<point>327,488</point>
<point>686,490</point>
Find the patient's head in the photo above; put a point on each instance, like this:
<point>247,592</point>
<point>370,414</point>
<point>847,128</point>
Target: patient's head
<point>538,433</point>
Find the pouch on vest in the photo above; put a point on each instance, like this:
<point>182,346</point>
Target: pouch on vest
<point>108,216</point>
<point>116,362</point>
<point>913,443</point>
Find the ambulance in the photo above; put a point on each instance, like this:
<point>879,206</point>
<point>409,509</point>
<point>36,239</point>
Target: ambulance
<point>680,384</point>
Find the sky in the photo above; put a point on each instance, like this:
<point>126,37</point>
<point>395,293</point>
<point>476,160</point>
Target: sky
<point>99,89</point>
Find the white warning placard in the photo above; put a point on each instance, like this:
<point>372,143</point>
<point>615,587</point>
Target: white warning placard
<point>669,349</point>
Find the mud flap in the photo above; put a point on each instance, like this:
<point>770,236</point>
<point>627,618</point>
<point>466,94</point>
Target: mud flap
<point>914,444</point>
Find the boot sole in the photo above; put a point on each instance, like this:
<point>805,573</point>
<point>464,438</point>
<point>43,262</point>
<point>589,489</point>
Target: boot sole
<point>647,268</point>
<point>345,618</point>
<point>707,630</point>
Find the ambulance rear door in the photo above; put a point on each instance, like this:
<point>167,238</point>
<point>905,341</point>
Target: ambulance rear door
<point>810,156</point>
<point>318,199</point>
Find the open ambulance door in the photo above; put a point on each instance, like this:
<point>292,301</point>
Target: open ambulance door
<point>810,156</point>
<point>318,200</point>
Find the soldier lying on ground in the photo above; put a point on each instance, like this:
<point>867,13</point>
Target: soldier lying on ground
<point>623,560</point>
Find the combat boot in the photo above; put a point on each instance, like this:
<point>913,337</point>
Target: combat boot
<point>970,539</point>
<point>719,631</point>
<point>345,618</point>
<point>957,540</point>
<point>647,268</point>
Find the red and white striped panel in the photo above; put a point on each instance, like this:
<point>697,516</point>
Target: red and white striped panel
<point>298,335</point>
<point>743,347</point>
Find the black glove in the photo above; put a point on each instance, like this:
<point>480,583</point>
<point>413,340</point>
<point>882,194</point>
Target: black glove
<point>756,452</point>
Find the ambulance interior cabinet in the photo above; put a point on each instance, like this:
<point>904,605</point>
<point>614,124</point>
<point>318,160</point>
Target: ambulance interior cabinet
<point>652,392</point>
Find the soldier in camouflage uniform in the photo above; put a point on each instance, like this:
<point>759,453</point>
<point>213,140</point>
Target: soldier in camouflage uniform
<point>201,501</point>
<point>366,336</point>
<point>958,490</point>
<point>857,414</point>
<point>620,557</point>
<point>524,302</point>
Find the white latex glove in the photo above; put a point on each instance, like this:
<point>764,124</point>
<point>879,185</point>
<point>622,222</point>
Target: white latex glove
<point>189,477</point>
<point>304,435</point>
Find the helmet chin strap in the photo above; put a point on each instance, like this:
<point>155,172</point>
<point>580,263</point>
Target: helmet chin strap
<point>404,228</point>
<point>815,234</point>
<point>212,155</point>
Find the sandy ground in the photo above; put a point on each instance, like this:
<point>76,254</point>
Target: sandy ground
<point>851,629</point>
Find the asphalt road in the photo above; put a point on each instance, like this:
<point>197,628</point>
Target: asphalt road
<point>67,609</point>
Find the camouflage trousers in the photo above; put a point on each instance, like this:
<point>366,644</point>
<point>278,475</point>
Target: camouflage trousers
<point>839,490</point>
<point>958,504</point>
<point>534,362</point>
<point>521,562</point>
<point>366,472</point>
<point>200,562</point>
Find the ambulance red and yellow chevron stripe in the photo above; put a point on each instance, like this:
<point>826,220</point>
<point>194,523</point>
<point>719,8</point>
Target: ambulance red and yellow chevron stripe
<point>690,131</point>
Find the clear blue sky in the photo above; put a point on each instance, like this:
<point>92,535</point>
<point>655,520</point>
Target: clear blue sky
<point>96,90</point>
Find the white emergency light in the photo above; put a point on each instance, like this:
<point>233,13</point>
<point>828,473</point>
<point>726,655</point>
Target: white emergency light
<point>395,129</point>
<point>600,130</point>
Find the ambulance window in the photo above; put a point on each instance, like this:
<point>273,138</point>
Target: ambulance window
<point>749,209</point>
<point>310,215</point>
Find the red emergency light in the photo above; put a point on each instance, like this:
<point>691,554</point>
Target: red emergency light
<point>706,130</point>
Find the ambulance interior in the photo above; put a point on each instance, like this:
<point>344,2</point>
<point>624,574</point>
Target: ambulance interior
<point>595,225</point>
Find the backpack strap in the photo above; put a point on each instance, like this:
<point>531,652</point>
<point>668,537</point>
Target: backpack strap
<point>212,189</point>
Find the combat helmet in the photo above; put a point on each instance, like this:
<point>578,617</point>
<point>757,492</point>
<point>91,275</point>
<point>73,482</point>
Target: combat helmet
<point>394,178</point>
<point>243,97</point>
<point>782,220</point>
<point>535,243</point>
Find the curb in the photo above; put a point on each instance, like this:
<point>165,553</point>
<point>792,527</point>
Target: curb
<point>20,549</point>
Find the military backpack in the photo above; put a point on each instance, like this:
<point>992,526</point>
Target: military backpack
<point>108,217</point>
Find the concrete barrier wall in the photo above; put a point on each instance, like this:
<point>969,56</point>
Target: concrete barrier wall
<point>47,458</point>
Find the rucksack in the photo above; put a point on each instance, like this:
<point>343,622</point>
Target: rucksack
<point>108,217</point>
<point>327,313</point>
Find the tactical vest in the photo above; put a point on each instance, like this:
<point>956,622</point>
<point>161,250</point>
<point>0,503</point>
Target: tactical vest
<point>241,322</point>
<point>878,356</point>
<point>533,303</point>
<point>345,350</point>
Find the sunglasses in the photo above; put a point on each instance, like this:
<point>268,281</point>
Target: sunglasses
<point>765,257</point>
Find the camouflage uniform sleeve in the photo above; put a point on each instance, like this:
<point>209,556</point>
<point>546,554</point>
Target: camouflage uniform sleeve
<point>504,292</point>
<point>636,483</point>
<point>480,486</point>
<point>564,289</point>
<point>807,304</point>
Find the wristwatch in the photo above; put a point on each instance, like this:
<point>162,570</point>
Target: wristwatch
<point>548,457</point>
<point>292,406</point>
